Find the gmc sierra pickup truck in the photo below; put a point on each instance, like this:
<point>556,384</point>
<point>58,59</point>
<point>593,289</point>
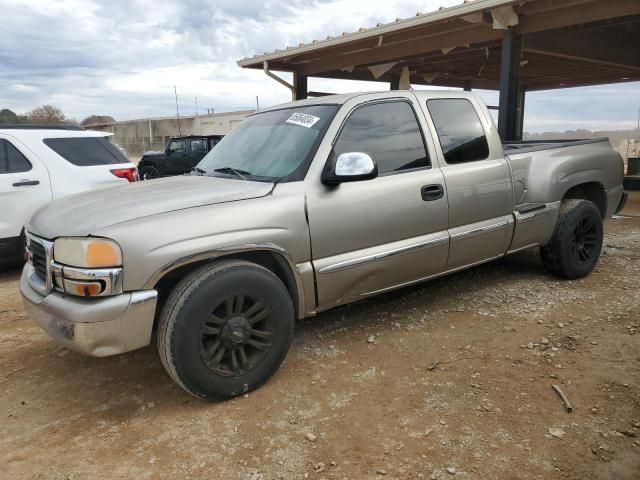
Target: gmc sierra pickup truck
<point>301,208</point>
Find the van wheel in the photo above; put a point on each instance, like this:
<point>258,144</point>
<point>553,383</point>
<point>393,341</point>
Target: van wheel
<point>575,246</point>
<point>148,172</point>
<point>225,329</point>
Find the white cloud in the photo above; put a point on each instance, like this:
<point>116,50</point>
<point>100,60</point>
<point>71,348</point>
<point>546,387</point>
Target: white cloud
<point>123,57</point>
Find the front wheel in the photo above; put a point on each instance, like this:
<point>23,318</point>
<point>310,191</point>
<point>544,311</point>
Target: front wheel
<point>148,172</point>
<point>575,246</point>
<point>225,329</point>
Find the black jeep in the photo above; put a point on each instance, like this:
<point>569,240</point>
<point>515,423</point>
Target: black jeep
<point>180,156</point>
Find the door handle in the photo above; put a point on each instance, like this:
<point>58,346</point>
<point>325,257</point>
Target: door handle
<point>26,183</point>
<point>432,192</point>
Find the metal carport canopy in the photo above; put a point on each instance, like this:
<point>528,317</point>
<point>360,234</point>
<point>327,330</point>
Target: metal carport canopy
<point>509,45</point>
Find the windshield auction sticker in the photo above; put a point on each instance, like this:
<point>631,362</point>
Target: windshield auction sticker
<point>303,119</point>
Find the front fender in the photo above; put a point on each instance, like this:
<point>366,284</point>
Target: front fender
<point>146,162</point>
<point>297,272</point>
<point>154,245</point>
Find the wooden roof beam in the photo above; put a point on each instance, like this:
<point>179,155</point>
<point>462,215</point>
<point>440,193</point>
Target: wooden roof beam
<point>583,48</point>
<point>604,80</point>
<point>444,80</point>
<point>383,40</point>
<point>396,52</point>
<point>576,14</point>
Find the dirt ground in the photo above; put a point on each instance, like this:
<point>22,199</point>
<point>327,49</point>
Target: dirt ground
<point>450,379</point>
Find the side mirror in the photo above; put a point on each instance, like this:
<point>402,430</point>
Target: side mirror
<point>349,167</point>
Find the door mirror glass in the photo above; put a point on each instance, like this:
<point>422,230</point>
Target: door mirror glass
<point>350,167</point>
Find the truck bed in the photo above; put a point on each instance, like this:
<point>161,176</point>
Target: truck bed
<point>524,146</point>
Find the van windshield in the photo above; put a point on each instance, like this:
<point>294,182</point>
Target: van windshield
<point>270,146</point>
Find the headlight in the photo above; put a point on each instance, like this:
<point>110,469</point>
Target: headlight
<point>87,252</point>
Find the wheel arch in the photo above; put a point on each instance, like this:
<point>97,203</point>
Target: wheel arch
<point>146,162</point>
<point>592,191</point>
<point>271,257</point>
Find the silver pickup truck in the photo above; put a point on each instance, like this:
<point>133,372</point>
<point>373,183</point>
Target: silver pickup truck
<point>304,207</point>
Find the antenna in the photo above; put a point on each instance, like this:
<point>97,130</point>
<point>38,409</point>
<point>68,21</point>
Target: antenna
<point>196,106</point>
<point>258,104</point>
<point>175,91</point>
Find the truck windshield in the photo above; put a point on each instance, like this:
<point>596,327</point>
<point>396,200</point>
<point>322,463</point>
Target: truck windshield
<point>270,146</point>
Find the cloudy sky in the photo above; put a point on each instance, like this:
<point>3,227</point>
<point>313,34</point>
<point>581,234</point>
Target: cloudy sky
<point>123,57</point>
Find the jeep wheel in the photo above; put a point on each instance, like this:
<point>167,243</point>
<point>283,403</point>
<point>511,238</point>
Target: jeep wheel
<point>148,172</point>
<point>575,245</point>
<point>225,329</point>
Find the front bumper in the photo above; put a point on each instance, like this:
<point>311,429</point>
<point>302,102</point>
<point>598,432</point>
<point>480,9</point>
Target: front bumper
<point>98,327</point>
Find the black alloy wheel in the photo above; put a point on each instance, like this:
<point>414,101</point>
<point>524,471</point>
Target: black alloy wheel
<point>238,335</point>
<point>574,248</point>
<point>584,242</point>
<point>225,328</point>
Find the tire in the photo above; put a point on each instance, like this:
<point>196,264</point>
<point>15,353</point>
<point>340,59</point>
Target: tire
<point>215,311</point>
<point>575,245</point>
<point>22,246</point>
<point>148,172</point>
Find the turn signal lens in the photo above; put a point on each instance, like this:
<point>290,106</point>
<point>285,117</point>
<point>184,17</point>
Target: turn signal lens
<point>79,288</point>
<point>87,252</point>
<point>87,289</point>
<point>103,254</point>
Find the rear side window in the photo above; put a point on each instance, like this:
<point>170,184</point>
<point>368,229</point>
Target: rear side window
<point>459,130</point>
<point>389,133</point>
<point>11,160</point>
<point>86,151</point>
<point>199,145</point>
<point>178,146</point>
<point>213,142</point>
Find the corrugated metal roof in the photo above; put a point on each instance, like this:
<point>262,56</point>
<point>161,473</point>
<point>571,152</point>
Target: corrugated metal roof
<point>468,7</point>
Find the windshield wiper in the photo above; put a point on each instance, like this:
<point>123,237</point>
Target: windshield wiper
<point>235,171</point>
<point>199,170</point>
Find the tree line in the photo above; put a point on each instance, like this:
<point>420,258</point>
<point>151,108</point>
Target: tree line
<point>48,115</point>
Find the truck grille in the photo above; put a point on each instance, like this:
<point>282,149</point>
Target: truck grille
<point>39,259</point>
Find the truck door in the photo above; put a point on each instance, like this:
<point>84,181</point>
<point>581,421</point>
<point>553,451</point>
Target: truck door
<point>478,183</point>
<point>177,155</point>
<point>198,149</point>
<point>24,187</point>
<point>373,235</point>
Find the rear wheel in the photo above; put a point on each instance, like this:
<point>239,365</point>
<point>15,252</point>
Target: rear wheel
<point>225,329</point>
<point>576,243</point>
<point>148,172</point>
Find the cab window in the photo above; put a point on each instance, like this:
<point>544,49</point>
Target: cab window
<point>177,146</point>
<point>11,160</point>
<point>389,133</point>
<point>459,130</point>
<point>199,145</point>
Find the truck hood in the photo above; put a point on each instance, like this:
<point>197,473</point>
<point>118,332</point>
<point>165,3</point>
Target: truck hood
<point>85,213</point>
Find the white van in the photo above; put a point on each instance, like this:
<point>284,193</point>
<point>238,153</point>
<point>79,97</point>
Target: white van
<point>39,163</point>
